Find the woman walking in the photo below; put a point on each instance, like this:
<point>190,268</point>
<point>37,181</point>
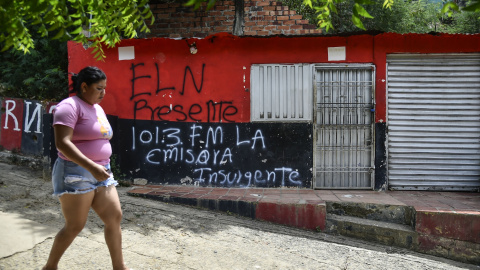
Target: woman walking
<point>81,175</point>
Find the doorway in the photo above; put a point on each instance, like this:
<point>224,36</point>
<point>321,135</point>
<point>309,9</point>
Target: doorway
<point>343,127</point>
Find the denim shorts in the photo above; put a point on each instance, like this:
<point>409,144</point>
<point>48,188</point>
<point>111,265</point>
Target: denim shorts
<point>69,177</point>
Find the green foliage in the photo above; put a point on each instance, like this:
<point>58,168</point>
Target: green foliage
<point>117,172</point>
<point>326,9</point>
<point>463,22</point>
<point>39,75</point>
<point>115,166</point>
<point>197,3</point>
<point>298,5</point>
<point>408,17</point>
<point>401,16</point>
<point>449,8</point>
<point>106,21</point>
<point>405,17</point>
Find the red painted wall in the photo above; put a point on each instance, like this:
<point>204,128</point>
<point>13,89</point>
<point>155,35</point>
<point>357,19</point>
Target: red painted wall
<point>12,124</point>
<point>220,69</point>
<point>212,85</point>
<point>22,125</point>
<point>413,43</point>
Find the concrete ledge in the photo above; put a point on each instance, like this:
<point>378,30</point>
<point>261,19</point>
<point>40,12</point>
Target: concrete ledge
<point>400,214</point>
<point>458,250</point>
<point>304,216</point>
<point>241,208</point>
<point>391,234</point>
<point>460,226</point>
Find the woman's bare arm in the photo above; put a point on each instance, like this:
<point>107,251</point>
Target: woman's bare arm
<point>63,141</point>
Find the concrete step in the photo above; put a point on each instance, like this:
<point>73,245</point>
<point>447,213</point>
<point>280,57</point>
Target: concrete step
<point>387,233</point>
<point>398,214</point>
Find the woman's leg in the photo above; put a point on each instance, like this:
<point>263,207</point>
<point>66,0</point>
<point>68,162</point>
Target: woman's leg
<point>107,205</point>
<point>75,209</point>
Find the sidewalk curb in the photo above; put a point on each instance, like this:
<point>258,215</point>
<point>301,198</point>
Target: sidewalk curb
<point>304,216</point>
<point>458,239</point>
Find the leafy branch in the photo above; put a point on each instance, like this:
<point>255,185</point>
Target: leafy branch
<point>91,22</point>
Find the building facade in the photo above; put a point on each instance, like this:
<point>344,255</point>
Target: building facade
<point>249,94</point>
<point>356,112</point>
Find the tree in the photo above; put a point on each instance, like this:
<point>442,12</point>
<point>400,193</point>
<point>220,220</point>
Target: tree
<point>40,74</point>
<point>403,17</point>
<point>462,22</point>
<point>421,16</point>
<point>91,22</point>
<point>325,10</point>
<point>33,35</point>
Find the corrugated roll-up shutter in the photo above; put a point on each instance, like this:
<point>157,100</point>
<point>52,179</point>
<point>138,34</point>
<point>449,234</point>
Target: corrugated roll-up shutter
<point>433,121</point>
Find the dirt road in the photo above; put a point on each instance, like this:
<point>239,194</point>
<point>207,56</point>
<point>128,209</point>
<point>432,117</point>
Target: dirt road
<point>157,235</point>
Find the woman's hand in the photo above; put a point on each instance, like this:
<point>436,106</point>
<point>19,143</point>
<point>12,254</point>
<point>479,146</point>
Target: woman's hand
<point>99,172</point>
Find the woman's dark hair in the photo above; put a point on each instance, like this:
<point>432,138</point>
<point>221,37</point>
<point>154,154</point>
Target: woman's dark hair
<point>88,75</point>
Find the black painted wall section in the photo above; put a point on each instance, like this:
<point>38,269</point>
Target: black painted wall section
<point>113,120</point>
<point>32,133</point>
<point>49,149</point>
<point>380,156</point>
<point>287,155</point>
<point>220,154</point>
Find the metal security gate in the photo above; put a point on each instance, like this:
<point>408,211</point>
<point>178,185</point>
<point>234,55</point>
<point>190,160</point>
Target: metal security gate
<point>343,131</point>
<point>434,122</point>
